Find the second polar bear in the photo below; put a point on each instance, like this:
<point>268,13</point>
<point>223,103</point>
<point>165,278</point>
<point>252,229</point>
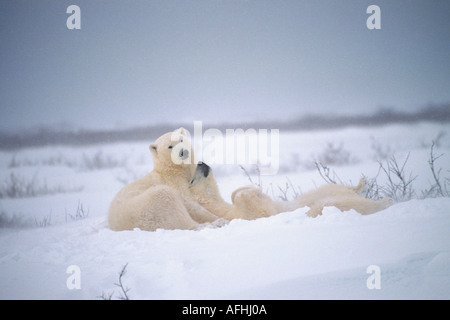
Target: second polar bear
<point>162,198</point>
<point>250,203</point>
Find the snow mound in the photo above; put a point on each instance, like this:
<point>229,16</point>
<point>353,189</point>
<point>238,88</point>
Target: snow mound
<point>287,256</point>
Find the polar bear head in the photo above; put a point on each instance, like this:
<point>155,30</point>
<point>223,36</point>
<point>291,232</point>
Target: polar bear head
<point>172,149</point>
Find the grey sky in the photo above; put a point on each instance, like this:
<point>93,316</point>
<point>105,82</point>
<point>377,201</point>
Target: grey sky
<point>143,62</point>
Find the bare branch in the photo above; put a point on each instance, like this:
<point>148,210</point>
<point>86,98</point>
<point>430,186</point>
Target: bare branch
<point>436,175</point>
<point>399,185</point>
<point>436,189</point>
<point>124,295</point>
<point>258,171</point>
<point>324,172</point>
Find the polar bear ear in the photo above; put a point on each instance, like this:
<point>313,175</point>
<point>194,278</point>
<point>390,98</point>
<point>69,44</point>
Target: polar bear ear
<point>153,148</point>
<point>181,130</point>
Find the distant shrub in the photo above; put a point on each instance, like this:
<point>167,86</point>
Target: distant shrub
<point>20,221</point>
<point>100,161</point>
<point>381,152</point>
<point>336,155</point>
<point>331,155</point>
<point>87,162</point>
<point>399,184</point>
<point>16,221</point>
<point>15,186</point>
<point>52,160</point>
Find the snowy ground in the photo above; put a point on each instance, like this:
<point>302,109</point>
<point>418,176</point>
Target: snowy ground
<point>54,202</point>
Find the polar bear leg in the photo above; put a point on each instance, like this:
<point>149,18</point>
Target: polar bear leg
<point>364,205</point>
<point>198,213</point>
<point>162,207</point>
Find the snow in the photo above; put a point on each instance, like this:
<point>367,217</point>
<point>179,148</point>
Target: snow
<point>287,256</point>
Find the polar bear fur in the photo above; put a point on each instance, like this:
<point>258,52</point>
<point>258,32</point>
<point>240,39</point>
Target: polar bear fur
<point>342,197</point>
<point>250,203</point>
<point>205,191</point>
<point>162,198</point>
<point>330,195</point>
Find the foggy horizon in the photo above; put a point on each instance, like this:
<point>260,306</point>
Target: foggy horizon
<point>151,62</point>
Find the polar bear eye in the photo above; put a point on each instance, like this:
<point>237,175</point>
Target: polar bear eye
<point>169,147</point>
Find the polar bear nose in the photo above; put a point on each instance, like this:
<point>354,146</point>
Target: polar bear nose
<point>184,154</point>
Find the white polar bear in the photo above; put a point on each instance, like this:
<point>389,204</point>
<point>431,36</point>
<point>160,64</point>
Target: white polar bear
<point>251,203</point>
<point>345,198</point>
<point>162,198</point>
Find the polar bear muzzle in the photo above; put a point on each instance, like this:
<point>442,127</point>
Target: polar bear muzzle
<point>202,171</point>
<point>183,154</point>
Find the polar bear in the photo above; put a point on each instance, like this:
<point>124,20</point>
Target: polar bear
<point>205,191</point>
<point>251,203</point>
<point>330,195</point>
<point>162,198</point>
